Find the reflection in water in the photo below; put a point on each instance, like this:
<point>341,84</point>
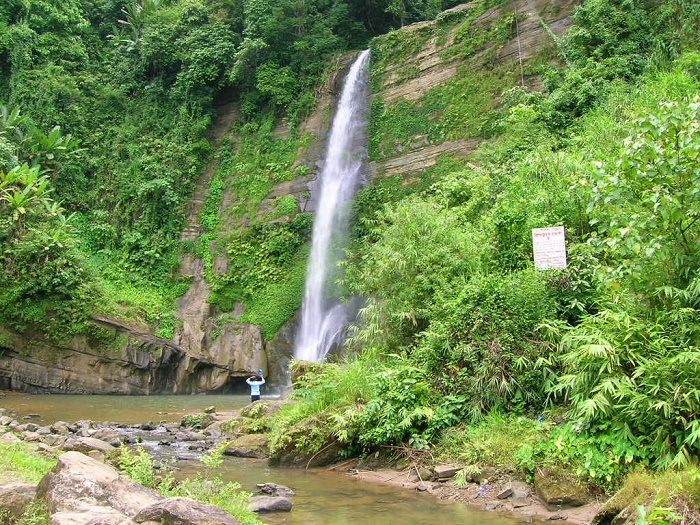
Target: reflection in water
<point>322,497</point>
<point>129,410</point>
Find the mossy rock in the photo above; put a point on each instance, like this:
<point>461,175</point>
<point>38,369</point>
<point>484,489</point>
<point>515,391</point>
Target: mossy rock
<point>248,446</point>
<point>622,506</point>
<point>239,426</point>
<point>309,443</point>
<point>197,421</point>
<point>302,369</point>
<point>559,489</point>
<point>262,408</point>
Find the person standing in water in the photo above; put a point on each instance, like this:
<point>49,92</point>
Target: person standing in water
<point>255,382</point>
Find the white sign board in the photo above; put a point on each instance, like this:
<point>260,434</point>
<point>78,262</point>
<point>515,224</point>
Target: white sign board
<point>549,247</point>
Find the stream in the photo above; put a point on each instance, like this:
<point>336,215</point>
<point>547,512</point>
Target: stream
<point>323,497</point>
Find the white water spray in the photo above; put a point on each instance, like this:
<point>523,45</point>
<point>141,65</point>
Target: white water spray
<point>323,322</point>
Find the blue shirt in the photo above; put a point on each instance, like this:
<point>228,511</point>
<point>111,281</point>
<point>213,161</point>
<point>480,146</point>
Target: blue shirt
<point>255,386</point>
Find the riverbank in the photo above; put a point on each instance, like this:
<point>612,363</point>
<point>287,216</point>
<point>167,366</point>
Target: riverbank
<point>497,496</point>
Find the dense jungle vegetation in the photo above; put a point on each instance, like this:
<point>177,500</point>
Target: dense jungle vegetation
<point>463,349</point>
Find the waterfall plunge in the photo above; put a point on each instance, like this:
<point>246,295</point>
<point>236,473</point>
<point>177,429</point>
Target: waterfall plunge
<point>323,322</point>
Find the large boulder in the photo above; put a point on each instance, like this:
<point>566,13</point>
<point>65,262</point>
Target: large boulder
<point>558,489</point>
<point>82,491</point>
<point>211,360</point>
<point>248,446</point>
<point>87,444</point>
<point>143,364</point>
<point>79,485</point>
<point>184,511</point>
<point>15,497</point>
<point>270,504</point>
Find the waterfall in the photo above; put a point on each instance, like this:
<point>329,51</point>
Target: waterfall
<point>323,320</point>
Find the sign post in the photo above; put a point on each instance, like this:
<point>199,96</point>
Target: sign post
<point>549,247</point>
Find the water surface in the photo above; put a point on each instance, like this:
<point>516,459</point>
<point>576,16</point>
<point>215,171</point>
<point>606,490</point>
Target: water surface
<point>323,497</point>
<point>130,410</point>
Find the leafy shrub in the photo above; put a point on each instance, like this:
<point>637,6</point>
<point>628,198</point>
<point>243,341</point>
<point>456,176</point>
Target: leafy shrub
<point>652,180</point>
<point>481,342</point>
<point>137,465</point>
<point>637,378</point>
<point>494,441</point>
<point>608,29</point>
<point>400,411</point>
<point>600,457</point>
<point>41,264</point>
<point>194,420</point>
<point>336,391</point>
<point>418,242</point>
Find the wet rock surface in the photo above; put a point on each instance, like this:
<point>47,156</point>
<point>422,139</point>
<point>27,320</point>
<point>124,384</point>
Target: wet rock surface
<point>270,504</point>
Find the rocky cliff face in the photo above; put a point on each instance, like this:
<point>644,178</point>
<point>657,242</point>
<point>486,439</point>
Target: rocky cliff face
<point>136,363</point>
<point>535,24</point>
<point>205,358</point>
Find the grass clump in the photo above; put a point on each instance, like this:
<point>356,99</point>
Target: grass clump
<point>663,498</point>
<point>19,462</point>
<point>496,440</point>
<point>139,466</point>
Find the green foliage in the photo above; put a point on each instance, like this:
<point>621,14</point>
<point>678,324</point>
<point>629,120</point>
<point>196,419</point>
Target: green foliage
<point>452,111</point>
<point>653,180</point>
<point>606,29</point>
<point>600,458</point>
<point>215,456</point>
<point>253,419</point>
<point>441,249</point>
<point>610,40</point>
<point>481,343</point>
<point>345,388</point>
<point>194,420</point>
<point>638,377</point>
<point>495,440</point>
<point>36,513</point>
<point>671,497</point>
<point>275,303</point>
<point>140,299</point>
<point>267,267</point>
<point>470,38</point>
<point>277,83</point>
<point>266,260</point>
<point>225,495</point>
<point>20,461</point>
<point>137,465</point>
<point>41,265</point>
<point>400,411</point>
